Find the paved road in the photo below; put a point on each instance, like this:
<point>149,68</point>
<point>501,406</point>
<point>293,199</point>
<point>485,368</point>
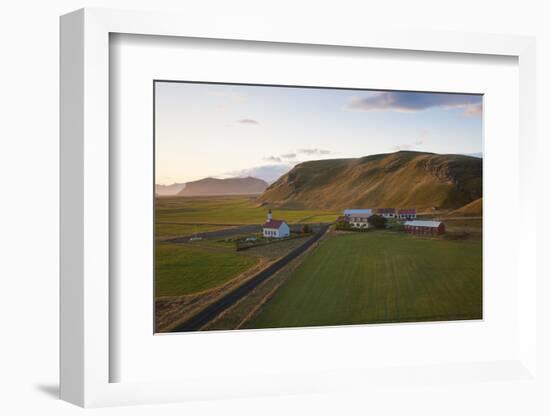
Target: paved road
<point>213,310</point>
<point>233,231</point>
<point>226,232</point>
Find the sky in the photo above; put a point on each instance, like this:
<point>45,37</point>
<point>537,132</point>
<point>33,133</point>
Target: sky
<point>222,130</point>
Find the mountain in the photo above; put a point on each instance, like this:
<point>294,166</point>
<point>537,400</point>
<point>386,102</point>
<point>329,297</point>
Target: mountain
<point>400,179</point>
<point>268,173</point>
<point>167,190</point>
<point>229,186</point>
<point>473,209</point>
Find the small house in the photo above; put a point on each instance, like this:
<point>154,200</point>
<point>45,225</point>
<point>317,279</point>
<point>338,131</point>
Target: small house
<point>275,228</point>
<point>425,227</point>
<point>359,220</point>
<point>406,214</point>
<point>386,212</point>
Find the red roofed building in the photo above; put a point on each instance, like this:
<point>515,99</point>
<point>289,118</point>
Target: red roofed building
<point>407,214</point>
<point>386,212</point>
<point>425,227</point>
<point>275,228</point>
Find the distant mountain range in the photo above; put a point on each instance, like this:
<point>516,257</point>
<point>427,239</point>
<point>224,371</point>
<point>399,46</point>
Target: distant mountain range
<point>229,186</point>
<point>401,179</point>
<point>165,190</point>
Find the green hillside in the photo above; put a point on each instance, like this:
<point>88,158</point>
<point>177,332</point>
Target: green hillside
<point>401,179</point>
<point>473,209</point>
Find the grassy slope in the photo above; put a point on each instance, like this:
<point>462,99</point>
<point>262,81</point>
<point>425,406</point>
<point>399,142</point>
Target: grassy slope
<point>182,269</point>
<point>379,277</point>
<point>401,179</point>
<point>473,209</point>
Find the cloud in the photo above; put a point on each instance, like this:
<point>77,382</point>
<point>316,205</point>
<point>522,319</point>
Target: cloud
<point>423,135</point>
<point>407,146</point>
<point>314,151</point>
<point>247,121</point>
<point>285,157</point>
<point>473,110</point>
<point>269,173</point>
<point>225,98</point>
<point>415,101</point>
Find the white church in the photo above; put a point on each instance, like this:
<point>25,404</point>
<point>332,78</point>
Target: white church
<point>275,228</point>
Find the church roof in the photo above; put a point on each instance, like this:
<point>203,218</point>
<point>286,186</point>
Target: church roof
<point>273,224</point>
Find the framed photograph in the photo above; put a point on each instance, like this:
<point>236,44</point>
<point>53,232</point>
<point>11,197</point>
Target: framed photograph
<point>366,207</point>
<point>261,213</point>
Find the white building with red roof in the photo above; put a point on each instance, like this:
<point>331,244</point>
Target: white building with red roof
<point>275,228</point>
<point>386,212</point>
<point>406,213</point>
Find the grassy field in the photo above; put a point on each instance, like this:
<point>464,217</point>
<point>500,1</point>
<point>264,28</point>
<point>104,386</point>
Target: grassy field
<point>379,277</point>
<point>167,230</point>
<point>237,316</point>
<point>187,269</point>
<point>205,264</point>
<point>471,225</point>
<point>228,210</point>
<point>183,269</point>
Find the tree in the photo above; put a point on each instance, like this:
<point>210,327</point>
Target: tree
<point>342,225</point>
<point>306,229</point>
<point>377,221</point>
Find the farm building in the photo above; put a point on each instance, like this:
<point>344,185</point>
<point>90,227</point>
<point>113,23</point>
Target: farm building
<point>386,212</point>
<point>406,214</point>
<point>425,227</point>
<point>366,211</point>
<point>359,220</point>
<point>275,228</point>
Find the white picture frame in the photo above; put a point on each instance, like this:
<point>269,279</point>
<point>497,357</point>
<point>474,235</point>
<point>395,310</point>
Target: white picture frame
<point>85,208</point>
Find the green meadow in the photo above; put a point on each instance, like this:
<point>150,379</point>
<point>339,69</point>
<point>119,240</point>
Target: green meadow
<point>379,277</point>
<point>230,210</point>
<point>350,278</point>
<point>182,269</point>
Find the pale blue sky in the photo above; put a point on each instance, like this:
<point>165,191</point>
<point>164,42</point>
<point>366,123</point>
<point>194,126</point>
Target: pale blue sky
<point>232,130</point>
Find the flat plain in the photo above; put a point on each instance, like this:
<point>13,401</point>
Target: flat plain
<point>222,211</point>
<point>349,278</point>
<point>186,269</point>
<point>379,277</point>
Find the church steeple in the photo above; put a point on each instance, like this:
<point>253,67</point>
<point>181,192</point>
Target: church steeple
<point>269,216</point>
